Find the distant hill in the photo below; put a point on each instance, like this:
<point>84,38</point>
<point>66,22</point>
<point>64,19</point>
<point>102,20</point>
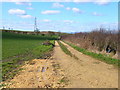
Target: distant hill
<point>33,33</point>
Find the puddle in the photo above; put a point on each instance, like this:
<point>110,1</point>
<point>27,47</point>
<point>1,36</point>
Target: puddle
<point>43,69</point>
<point>38,70</point>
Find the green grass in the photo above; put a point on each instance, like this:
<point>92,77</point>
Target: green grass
<point>64,80</point>
<point>17,48</point>
<point>101,57</point>
<point>15,44</point>
<point>63,47</point>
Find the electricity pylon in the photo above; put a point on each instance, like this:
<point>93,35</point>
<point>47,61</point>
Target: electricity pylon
<point>35,26</point>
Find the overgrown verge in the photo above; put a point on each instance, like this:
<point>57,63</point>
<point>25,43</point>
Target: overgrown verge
<point>98,40</point>
<point>101,57</point>
<point>63,47</point>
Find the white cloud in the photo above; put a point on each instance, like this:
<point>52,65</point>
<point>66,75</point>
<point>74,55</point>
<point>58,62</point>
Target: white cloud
<point>56,0</point>
<point>77,10</point>
<point>57,5</point>
<point>68,8</point>
<point>50,12</point>
<point>46,20</point>
<point>17,0</point>
<point>25,16</point>
<point>96,14</point>
<point>99,2</point>
<point>16,11</point>
<point>102,2</point>
<point>30,8</point>
<point>77,1</point>
<point>24,3</point>
<point>68,21</point>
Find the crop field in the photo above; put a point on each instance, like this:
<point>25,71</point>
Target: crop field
<point>17,48</point>
<point>15,44</point>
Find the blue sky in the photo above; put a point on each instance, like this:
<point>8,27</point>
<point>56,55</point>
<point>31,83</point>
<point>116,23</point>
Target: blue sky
<point>59,16</point>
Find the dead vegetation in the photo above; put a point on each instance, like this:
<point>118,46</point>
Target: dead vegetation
<point>98,40</point>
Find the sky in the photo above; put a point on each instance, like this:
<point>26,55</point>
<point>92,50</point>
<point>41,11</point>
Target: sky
<point>59,16</point>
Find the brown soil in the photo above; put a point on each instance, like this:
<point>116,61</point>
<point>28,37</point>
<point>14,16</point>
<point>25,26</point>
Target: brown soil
<point>38,73</point>
<point>87,72</point>
<point>62,70</point>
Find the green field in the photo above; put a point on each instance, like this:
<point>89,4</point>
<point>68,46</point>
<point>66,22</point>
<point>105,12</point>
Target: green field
<point>17,48</point>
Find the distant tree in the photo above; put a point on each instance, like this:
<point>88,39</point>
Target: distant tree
<point>51,33</point>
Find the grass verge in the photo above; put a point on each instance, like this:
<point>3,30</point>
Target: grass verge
<point>101,57</point>
<point>63,47</point>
